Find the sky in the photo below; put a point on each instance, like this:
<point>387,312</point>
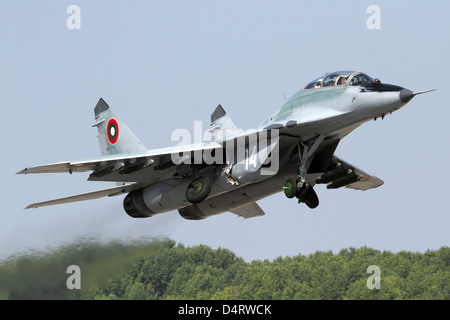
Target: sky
<point>161,65</point>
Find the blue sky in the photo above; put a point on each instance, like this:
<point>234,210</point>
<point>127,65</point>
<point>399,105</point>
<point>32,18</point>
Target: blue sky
<point>163,65</point>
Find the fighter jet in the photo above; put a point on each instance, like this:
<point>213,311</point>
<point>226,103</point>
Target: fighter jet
<point>291,152</point>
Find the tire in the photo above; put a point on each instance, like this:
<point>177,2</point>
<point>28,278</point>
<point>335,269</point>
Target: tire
<point>290,188</point>
<point>198,190</point>
<point>311,199</point>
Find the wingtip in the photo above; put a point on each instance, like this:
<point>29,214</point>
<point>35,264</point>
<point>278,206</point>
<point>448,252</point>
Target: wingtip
<point>24,171</point>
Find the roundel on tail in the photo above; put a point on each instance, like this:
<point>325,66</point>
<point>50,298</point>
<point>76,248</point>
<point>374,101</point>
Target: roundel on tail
<point>112,131</point>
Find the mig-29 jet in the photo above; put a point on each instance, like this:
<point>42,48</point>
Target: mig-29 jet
<point>290,152</point>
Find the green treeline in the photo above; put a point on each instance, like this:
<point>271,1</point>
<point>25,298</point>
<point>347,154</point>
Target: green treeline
<point>200,272</point>
<point>165,270</point>
<point>43,275</point>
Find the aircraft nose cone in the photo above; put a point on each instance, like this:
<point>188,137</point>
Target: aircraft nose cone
<point>406,95</point>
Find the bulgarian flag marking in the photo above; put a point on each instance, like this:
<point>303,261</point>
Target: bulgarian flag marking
<point>112,131</point>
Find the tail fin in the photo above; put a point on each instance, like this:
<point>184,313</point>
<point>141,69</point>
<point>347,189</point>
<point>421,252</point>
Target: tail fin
<point>113,135</point>
<point>221,125</point>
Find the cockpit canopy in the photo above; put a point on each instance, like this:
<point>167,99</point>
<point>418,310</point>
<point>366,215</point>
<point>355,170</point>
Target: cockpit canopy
<point>340,78</point>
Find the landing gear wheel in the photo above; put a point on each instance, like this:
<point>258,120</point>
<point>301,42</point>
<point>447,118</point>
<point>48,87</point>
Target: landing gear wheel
<point>311,199</point>
<point>198,190</point>
<point>307,195</point>
<point>290,188</point>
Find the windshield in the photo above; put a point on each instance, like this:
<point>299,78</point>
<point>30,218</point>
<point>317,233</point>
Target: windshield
<point>317,83</point>
<point>360,79</point>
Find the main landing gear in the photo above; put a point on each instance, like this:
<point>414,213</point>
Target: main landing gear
<point>198,190</point>
<point>298,187</point>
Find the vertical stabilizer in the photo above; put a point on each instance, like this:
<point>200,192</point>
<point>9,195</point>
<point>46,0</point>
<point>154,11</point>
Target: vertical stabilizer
<point>222,127</point>
<point>114,136</point>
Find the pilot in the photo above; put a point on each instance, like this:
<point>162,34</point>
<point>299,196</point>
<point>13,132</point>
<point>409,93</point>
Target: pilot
<point>318,84</point>
<point>342,80</point>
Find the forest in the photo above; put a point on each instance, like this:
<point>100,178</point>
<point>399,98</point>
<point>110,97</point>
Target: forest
<point>164,270</point>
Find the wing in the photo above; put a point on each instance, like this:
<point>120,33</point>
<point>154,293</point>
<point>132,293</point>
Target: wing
<point>249,210</point>
<point>145,167</point>
<point>110,192</point>
<point>343,174</point>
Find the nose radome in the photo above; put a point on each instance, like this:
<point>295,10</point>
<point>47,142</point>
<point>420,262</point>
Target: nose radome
<point>406,95</point>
